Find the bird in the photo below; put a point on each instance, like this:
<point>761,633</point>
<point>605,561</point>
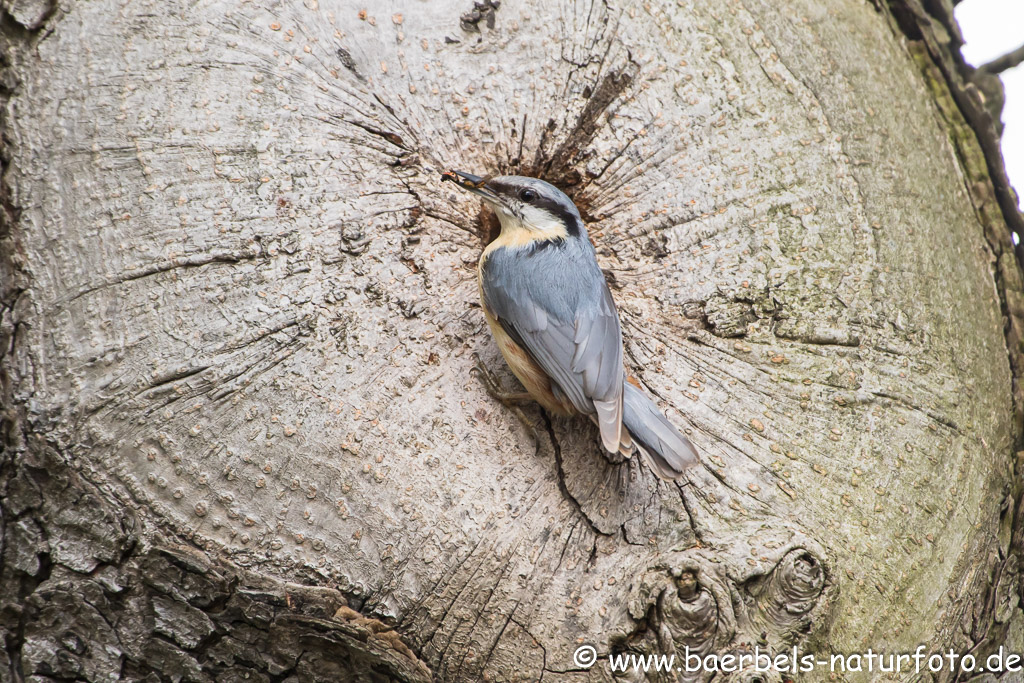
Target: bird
<point>550,310</point>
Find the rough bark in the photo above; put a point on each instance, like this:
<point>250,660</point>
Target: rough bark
<point>241,437</point>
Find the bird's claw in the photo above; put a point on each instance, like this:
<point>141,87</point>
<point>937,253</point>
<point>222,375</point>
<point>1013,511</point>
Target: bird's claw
<point>511,400</point>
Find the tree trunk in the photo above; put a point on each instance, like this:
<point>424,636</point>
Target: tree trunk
<point>242,439</point>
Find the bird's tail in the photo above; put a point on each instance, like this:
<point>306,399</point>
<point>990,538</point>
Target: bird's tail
<point>666,450</point>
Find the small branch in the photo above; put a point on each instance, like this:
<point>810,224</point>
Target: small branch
<point>1007,61</point>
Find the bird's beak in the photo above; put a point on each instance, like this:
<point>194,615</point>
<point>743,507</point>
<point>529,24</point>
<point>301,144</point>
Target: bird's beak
<point>473,183</point>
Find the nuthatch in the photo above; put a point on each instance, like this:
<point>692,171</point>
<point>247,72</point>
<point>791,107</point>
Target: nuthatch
<point>550,310</point>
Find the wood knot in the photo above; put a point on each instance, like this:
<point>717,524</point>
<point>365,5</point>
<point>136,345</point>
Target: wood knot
<point>801,580</point>
<point>786,596</point>
<point>689,610</point>
<point>703,607</point>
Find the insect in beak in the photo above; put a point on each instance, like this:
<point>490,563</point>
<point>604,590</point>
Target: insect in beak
<point>473,183</point>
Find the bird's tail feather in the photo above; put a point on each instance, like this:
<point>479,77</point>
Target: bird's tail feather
<point>666,450</point>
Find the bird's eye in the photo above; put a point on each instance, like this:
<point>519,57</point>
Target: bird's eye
<point>527,195</point>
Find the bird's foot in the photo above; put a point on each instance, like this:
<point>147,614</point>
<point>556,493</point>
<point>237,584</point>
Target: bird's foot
<point>511,400</point>
<point>493,385</point>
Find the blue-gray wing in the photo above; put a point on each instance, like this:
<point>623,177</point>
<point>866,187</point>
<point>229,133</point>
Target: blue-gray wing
<point>565,318</point>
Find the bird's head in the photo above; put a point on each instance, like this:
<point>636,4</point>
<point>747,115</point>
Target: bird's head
<point>523,203</point>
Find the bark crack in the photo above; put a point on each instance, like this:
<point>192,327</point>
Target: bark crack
<point>557,449</point>
<point>194,261</point>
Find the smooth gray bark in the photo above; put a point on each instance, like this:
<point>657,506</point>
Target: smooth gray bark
<point>242,439</point>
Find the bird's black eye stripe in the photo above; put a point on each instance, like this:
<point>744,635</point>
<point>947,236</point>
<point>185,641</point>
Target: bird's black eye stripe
<point>568,218</point>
